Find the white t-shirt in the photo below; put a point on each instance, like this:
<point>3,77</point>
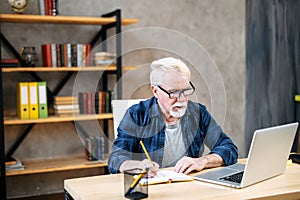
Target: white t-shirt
<point>174,147</point>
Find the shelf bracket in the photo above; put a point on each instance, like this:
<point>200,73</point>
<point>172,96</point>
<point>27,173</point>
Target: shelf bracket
<point>12,49</point>
<point>62,83</point>
<point>17,143</point>
<point>77,125</point>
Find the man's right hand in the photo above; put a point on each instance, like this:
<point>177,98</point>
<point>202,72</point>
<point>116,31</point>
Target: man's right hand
<point>131,164</point>
<point>152,167</point>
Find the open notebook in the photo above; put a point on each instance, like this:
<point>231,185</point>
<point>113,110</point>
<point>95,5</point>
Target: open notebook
<point>166,176</point>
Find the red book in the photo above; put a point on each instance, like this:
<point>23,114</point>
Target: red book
<point>9,61</point>
<point>46,55</point>
<point>46,7</point>
<point>50,7</point>
<point>87,57</point>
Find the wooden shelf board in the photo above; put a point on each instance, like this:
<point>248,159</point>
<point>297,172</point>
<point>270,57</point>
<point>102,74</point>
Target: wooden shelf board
<point>55,165</point>
<point>84,20</point>
<point>14,120</point>
<point>59,69</point>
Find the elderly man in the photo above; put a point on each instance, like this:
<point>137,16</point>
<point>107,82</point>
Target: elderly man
<point>172,128</point>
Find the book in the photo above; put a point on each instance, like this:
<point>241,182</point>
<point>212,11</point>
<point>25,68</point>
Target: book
<point>66,99</point>
<point>69,61</point>
<point>58,54</point>
<point>73,55</point>
<point>42,7</point>
<point>11,161</point>
<point>53,55</point>
<point>46,55</point>
<point>54,7</point>
<point>66,112</point>
<point>17,165</point>
<point>88,52</point>
<point>66,107</point>
<point>33,100</point>
<point>79,55</point>
<point>42,99</point>
<point>166,176</point>
<point>9,61</point>
<point>22,100</point>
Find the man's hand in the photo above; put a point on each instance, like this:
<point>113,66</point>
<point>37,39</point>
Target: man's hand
<point>187,164</point>
<point>130,164</point>
<point>153,167</point>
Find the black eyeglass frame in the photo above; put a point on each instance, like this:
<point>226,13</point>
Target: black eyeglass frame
<point>180,91</point>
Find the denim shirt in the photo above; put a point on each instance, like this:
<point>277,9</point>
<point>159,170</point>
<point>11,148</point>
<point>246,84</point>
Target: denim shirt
<point>143,121</point>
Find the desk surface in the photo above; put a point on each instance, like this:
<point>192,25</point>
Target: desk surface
<point>286,186</point>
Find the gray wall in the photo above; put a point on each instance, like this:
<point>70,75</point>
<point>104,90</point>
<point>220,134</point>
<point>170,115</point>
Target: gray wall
<point>208,34</point>
<point>273,65</point>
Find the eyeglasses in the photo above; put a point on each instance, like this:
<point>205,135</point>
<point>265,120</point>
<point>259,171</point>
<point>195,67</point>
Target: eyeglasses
<point>176,93</point>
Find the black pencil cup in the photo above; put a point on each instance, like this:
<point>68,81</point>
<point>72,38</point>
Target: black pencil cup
<point>135,184</point>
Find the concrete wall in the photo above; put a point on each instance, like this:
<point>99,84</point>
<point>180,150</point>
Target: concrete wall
<point>209,35</point>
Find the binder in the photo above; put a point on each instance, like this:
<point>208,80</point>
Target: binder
<point>33,100</point>
<point>22,100</point>
<point>42,100</point>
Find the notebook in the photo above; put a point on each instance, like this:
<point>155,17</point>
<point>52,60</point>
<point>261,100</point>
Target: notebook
<point>267,158</point>
<point>166,176</point>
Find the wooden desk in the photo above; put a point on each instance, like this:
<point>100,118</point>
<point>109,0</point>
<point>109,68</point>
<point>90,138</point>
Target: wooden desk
<point>286,186</point>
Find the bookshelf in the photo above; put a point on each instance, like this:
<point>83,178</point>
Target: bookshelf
<point>106,21</point>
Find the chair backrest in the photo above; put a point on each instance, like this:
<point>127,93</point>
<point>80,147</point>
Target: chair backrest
<point>119,107</point>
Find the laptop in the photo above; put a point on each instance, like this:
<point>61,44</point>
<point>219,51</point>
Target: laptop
<point>267,158</point>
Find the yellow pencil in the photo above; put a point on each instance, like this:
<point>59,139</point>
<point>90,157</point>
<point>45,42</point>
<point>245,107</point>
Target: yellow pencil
<point>145,150</point>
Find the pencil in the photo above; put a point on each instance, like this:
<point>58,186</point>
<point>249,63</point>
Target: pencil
<point>145,150</point>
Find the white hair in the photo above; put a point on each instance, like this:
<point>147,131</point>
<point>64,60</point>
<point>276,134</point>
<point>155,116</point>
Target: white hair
<point>159,68</point>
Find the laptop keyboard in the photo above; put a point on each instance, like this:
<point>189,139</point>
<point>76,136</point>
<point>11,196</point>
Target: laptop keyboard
<point>237,178</point>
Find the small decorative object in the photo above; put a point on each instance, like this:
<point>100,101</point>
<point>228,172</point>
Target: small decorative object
<point>18,6</point>
<point>28,54</point>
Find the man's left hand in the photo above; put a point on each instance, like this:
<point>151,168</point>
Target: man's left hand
<point>187,164</point>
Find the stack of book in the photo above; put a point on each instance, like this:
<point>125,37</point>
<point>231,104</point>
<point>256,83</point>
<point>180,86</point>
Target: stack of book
<point>13,165</point>
<point>9,62</point>
<point>66,55</point>
<point>104,58</point>
<point>95,102</point>
<point>66,105</point>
